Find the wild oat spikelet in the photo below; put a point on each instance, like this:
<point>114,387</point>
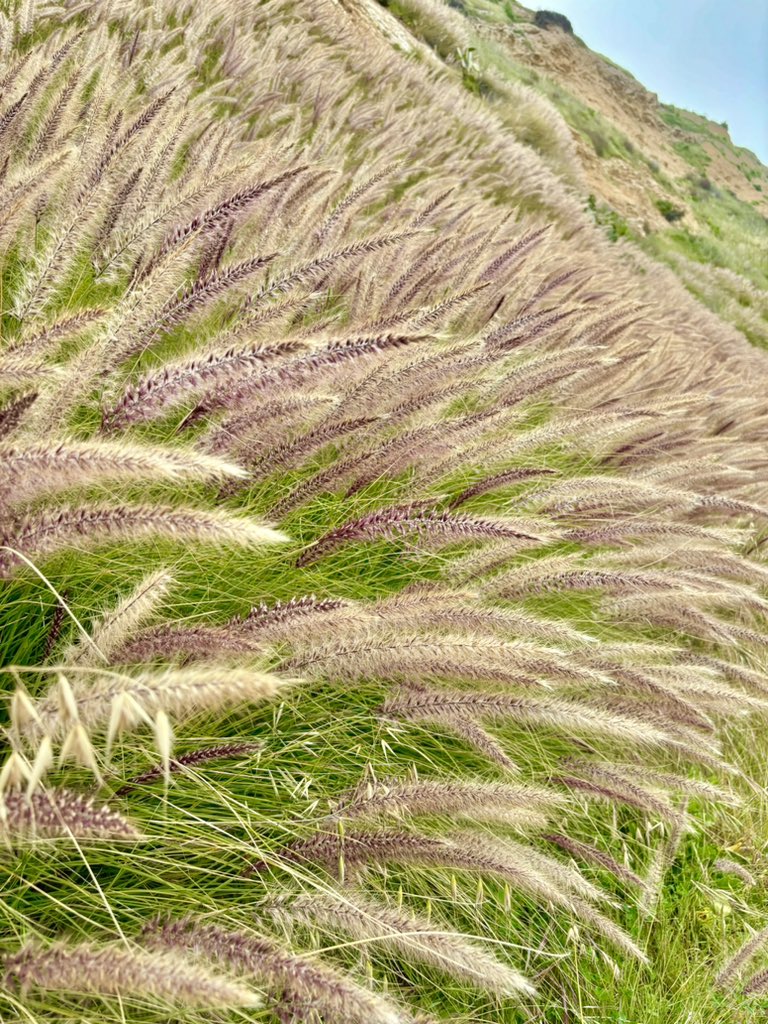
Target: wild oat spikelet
<point>15,772</point>
<point>123,701</point>
<point>87,969</point>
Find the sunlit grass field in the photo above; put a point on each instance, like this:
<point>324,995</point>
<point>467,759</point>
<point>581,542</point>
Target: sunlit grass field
<point>380,546</point>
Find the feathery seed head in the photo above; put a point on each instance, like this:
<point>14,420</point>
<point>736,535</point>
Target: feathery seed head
<point>59,813</point>
<point>118,970</point>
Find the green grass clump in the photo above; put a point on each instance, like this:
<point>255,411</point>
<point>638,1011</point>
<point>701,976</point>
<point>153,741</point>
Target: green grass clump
<point>613,223</point>
<point>669,211</point>
<point>693,155</point>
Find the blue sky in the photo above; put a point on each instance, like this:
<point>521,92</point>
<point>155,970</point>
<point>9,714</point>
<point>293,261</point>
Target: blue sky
<point>710,56</point>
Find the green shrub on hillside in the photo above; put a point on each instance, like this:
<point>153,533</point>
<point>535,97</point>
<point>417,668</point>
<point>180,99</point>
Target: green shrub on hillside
<point>551,19</point>
<point>669,211</point>
<point>615,225</point>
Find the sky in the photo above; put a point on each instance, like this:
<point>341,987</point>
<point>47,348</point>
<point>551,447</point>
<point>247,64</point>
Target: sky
<point>709,56</point>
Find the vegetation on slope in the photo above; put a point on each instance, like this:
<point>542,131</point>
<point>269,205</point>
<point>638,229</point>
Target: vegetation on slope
<point>382,616</point>
<point>643,165</point>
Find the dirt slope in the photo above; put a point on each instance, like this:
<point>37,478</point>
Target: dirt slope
<point>666,180</point>
<point>678,142</point>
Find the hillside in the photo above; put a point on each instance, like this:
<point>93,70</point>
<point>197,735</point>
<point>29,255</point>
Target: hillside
<point>667,179</point>
<point>383,534</point>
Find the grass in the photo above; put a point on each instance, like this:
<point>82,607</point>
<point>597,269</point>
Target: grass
<point>217,826</point>
<point>683,120</point>
<point>611,221</point>
<point>743,255</point>
<point>693,155</point>
<point>727,238</point>
<point>522,344</point>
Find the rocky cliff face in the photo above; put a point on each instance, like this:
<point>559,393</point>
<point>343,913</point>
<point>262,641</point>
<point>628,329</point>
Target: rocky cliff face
<point>667,180</point>
<point>679,143</point>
